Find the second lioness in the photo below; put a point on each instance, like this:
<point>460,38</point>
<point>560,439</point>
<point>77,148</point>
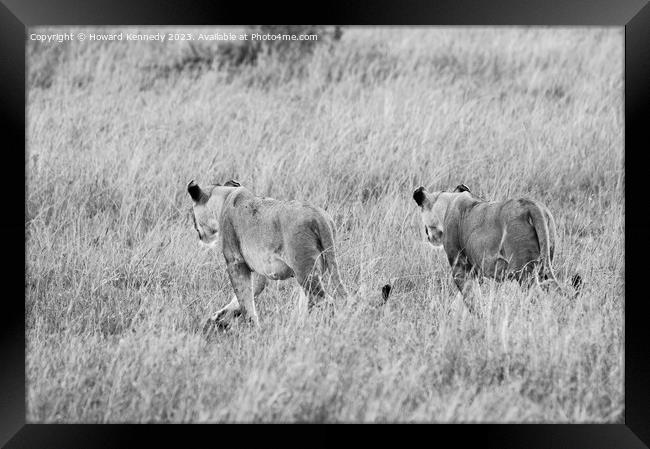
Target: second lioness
<point>264,238</point>
<point>506,239</point>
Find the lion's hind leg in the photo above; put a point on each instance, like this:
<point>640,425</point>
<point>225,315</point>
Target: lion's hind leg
<point>533,274</point>
<point>313,288</point>
<point>309,279</point>
<point>305,261</point>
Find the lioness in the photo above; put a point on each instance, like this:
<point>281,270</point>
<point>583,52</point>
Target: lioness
<point>263,238</point>
<point>512,239</point>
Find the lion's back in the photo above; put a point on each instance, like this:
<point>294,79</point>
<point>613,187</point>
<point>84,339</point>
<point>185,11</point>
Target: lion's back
<point>278,223</point>
<point>503,229</point>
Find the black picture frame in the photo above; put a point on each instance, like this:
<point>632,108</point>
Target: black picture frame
<point>634,15</point>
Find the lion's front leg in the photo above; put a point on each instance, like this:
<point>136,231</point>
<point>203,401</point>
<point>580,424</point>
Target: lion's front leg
<point>463,278</point>
<point>467,293</point>
<point>259,282</point>
<point>240,278</point>
<point>460,270</point>
<point>223,316</point>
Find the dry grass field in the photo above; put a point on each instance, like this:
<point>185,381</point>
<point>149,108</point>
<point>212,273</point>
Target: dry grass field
<point>118,286</point>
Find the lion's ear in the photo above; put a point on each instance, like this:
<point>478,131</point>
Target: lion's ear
<point>232,183</point>
<point>462,188</point>
<point>197,195</point>
<point>419,196</point>
<point>385,291</point>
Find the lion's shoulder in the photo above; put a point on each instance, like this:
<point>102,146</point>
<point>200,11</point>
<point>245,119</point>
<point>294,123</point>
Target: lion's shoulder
<point>461,207</point>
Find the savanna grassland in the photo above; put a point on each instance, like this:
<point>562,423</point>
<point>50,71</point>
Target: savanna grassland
<point>118,286</point>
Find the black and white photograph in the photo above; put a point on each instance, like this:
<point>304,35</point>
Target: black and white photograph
<point>324,224</point>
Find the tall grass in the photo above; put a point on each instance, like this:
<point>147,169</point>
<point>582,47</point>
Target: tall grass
<point>118,287</point>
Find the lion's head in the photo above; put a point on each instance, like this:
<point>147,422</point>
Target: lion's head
<point>205,210</point>
<point>433,212</point>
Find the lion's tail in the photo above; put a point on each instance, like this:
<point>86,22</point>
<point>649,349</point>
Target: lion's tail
<point>542,230</point>
<point>326,235</point>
